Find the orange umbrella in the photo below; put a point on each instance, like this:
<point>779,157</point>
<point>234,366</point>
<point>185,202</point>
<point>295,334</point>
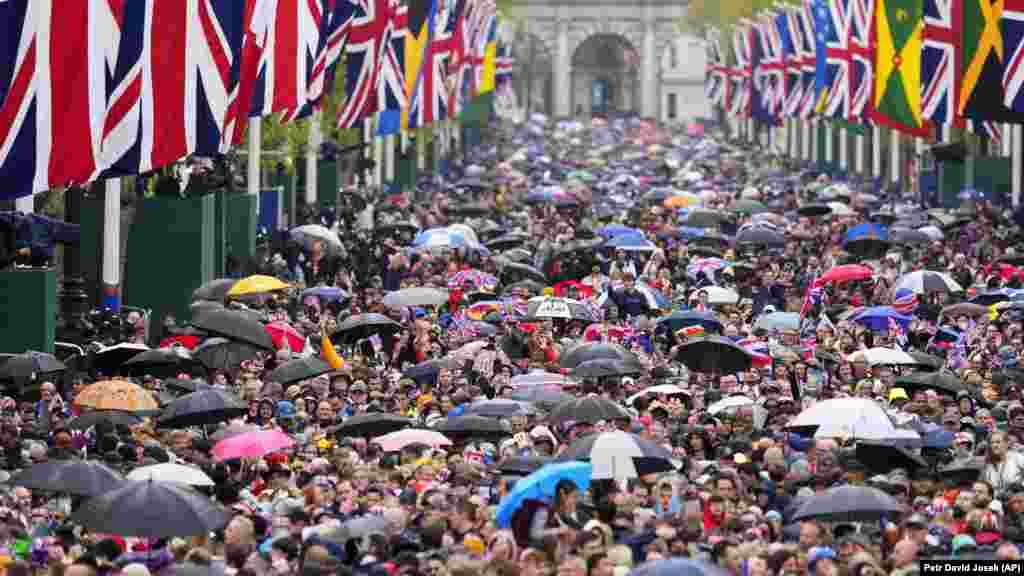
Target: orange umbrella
<point>116,395</point>
<point>685,200</point>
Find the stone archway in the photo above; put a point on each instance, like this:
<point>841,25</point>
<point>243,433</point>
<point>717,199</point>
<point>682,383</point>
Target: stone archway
<point>605,72</point>
<point>534,83</point>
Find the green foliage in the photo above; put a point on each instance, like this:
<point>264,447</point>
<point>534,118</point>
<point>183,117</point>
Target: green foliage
<point>722,14</point>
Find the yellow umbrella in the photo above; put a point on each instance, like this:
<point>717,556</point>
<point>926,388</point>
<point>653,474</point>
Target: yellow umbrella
<point>257,284</point>
<point>116,395</point>
<point>682,201</point>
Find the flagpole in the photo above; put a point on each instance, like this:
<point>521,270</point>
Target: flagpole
<point>312,153</point>
<point>861,143</point>
<point>843,145</point>
<point>389,158</point>
<point>378,161</point>
<point>876,151</point>
<point>1017,135</point>
<point>829,144</point>
<point>112,244</point>
<point>1007,140</point>
<point>894,155</point>
<point>805,138</point>
<point>253,173</point>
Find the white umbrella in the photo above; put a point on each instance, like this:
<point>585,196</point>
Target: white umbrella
<point>883,356</point>
<point>718,295</point>
<point>310,233</point>
<point>855,418</point>
<point>840,209</point>
<point>668,389</point>
<point>924,281</point>
<point>932,232</point>
<point>168,472</point>
<point>729,404</point>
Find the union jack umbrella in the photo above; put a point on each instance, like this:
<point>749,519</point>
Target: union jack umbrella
<point>474,279</point>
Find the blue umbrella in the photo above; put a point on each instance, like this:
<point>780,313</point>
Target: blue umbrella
<point>877,318</point>
<point>326,293</point>
<point>677,567</point>
<point>866,238</point>
<point>631,244</point>
<point>679,320</point>
<point>541,486</point>
<point>614,230</point>
<point>689,232</point>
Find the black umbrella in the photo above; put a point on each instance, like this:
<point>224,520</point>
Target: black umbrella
<point>604,367</point>
<point>507,242</point>
<point>108,360</point>
<point>512,272</point>
<point>545,398</point>
<point>184,385</point>
<point>28,364</point>
<point>849,504</point>
<point>530,286</point>
<point>371,425</point>
<point>522,465</point>
<point>908,236</point>
<point>148,509</point>
<point>470,209</point>
<point>760,236</point>
<point>867,247</point>
<point>161,362</point>
<point>714,355</point>
<point>206,406</point>
<point>500,408</point>
<point>473,427</point>
<point>392,227</point>
<point>927,362</point>
<point>814,210</point>
<point>619,454</point>
<point>234,325</point>
<point>427,370</point>
<point>78,477</point>
<point>94,417</point>
<point>214,290</point>
<point>223,354</point>
<point>941,381</point>
<point>363,326</point>
<point>300,369</point>
<point>882,457</point>
<point>579,354</point>
<point>589,409</point>
<point>962,471</point>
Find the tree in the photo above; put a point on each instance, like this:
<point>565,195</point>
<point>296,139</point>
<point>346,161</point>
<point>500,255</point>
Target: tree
<point>722,14</point>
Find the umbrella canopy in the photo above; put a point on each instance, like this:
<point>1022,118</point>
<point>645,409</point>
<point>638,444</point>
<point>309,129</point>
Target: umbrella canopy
<point>581,353</point>
<point>884,356</point>
<point>849,504</point>
<point>234,325</point>
<point>116,395</point>
<point>878,318</point>
<point>718,295</point>
<point>91,418</point>
<point>29,364</point>
<point>666,389</point>
<point>507,242</point>
<point>473,427</point>
<point>326,293</point>
<point>925,281</point>
<point>78,477</point>
<point>512,272</point>
<point>881,457</point>
<point>232,430</point>
<point>214,290</point>
<point>545,398</point>
<point>942,381</point>
<point>256,284</point>
<point>619,455</point>
<point>714,355</point>
<point>500,408</point>
<point>473,280</point>
<point>396,441</point>
<point>589,409</point>
<point>162,361</point>
<point>778,321</point>
<point>315,233</point>
<point>964,309</point>
<point>522,465</point>
<point>363,326</point>
<point>168,472</point>
<point>255,444</point>
<point>223,354</point>
<point>206,406</point>
<point>299,369</point>
<point>109,359</point>
<point>681,319</point>
<point>540,485</point>
<point>371,424</point>
<point>547,307</point>
<point>760,236</point>
<point>857,418</point>
<point>603,368</point>
<point>846,273</point>
<point>631,243</point>
<point>415,297</point>
<point>677,567</point>
<point>282,333</point>
<point>150,509</point>
<point>184,385</point>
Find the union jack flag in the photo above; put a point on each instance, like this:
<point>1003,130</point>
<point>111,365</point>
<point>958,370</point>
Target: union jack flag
<point>808,59</point>
<point>792,45</point>
<point>54,58</point>
<point>338,18</point>
<point>368,33</point>
<point>290,39</point>
<point>771,68</point>
<point>1013,35</point>
<point>837,57</point>
<point>391,83</point>
<point>906,304</point>
<point>715,73</point>
<point>862,68</point>
<point>898,333</point>
<point>742,75</point>
<point>430,99</point>
<point>174,84</point>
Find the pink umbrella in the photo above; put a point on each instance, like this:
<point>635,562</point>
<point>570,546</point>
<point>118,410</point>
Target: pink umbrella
<point>252,445</point>
<point>280,330</point>
<point>396,441</point>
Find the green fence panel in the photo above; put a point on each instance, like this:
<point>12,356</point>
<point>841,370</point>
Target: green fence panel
<point>992,177</point>
<point>170,254</point>
<point>91,247</point>
<point>287,183</point>
<point>241,226</point>
<point>28,311</point>
<point>952,177</point>
<point>327,183</point>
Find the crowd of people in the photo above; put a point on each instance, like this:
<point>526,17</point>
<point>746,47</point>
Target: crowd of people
<point>623,349</point>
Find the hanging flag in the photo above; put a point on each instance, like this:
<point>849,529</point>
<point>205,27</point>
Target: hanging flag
<point>862,55</point>
<point>899,27</point>
<point>175,82</point>
<point>742,75</point>
<point>289,41</point>
<point>490,53</point>
<point>54,57</point>
<point>832,24</point>
<point>761,90</point>
<point>790,40</point>
<point>421,17</point>
<point>334,32</point>
<point>367,34</point>
<point>1013,38</point>
<point>714,72</point>
<point>982,95</point>
<point>391,84</point>
<point>808,60</point>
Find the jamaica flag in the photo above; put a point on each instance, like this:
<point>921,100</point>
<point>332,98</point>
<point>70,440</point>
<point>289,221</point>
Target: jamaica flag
<point>899,25</point>
<point>421,15</point>
<point>983,58</point>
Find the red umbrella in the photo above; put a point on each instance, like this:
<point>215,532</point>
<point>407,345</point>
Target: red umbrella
<point>280,330</point>
<point>185,340</point>
<point>846,273</point>
<point>1004,270</point>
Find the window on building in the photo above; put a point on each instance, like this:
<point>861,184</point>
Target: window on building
<point>671,105</point>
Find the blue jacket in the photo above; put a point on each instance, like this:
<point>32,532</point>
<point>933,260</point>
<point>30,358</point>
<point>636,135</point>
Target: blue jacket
<point>630,304</point>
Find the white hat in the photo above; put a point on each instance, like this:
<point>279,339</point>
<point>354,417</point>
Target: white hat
<point>135,569</point>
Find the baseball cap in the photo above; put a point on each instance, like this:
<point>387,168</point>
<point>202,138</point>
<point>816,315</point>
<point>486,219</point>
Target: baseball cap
<point>917,520</point>
<point>818,553</point>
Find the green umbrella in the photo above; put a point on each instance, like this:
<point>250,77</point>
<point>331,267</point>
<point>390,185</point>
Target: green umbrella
<point>747,206</point>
